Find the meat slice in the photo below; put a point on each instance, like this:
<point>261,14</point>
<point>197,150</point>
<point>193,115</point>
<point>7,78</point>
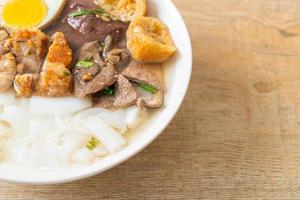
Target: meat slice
<point>56,79</point>
<point>87,82</point>
<point>8,70</point>
<point>150,74</point>
<point>91,50</point>
<point>125,96</point>
<point>118,57</point>
<point>113,55</point>
<point>94,75</point>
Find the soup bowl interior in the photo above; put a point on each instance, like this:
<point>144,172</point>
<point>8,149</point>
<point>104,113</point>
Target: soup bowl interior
<point>177,76</point>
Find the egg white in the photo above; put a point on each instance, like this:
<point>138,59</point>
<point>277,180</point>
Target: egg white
<point>54,9</point>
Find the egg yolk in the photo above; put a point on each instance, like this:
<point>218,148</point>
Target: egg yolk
<point>24,13</point>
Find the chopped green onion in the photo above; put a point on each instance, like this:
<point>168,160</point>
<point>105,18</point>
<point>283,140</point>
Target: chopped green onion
<point>148,88</point>
<point>98,11</point>
<point>102,45</point>
<point>86,63</point>
<point>108,91</point>
<point>67,73</point>
<point>93,143</point>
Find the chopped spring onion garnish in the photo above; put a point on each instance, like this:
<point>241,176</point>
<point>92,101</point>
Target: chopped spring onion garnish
<point>98,11</point>
<point>108,91</point>
<point>93,143</point>
<point>148,88</point>
<point>67,73</point>
<point>102,45</point>
<point>87,63</point>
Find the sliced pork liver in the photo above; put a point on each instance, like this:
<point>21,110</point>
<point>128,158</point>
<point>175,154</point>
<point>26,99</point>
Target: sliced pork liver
<point>150,74</point>
<point>91,79</point>
<point>125,96</point>
<point>105,78</point>
<point>91,50</point>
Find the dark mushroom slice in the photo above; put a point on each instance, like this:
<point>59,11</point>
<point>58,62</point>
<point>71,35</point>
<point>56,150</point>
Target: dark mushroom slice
<point>150,78</point>
<point>123,97</point>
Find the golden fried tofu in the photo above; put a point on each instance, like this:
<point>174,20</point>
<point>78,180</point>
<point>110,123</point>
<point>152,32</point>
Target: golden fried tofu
<point>56,79</point>
<point>124,10</point>
<point>149,40</point>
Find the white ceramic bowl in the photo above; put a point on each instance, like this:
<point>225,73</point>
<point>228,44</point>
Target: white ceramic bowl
<point>177,76</point>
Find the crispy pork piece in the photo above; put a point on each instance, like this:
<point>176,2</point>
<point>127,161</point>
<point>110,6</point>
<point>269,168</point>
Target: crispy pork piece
<point>5,42</point>
<point>8,70</point>
<point>29,46</point>
<point>56,79</point>
<point>24,84</point>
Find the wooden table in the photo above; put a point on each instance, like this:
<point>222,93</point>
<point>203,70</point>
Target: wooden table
<point>237,136</point>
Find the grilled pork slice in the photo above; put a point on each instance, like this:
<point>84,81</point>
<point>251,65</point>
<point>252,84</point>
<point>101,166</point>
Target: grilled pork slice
<point>55,79</point>
<point>8,70</point>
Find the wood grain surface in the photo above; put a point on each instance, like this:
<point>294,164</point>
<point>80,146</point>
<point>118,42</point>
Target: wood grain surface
<point>237,135</point>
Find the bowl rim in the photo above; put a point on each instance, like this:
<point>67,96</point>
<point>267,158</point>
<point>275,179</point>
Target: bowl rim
<point>78,173</point>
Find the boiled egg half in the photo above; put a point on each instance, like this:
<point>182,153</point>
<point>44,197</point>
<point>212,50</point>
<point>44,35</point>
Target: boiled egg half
<point>30,13</point>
